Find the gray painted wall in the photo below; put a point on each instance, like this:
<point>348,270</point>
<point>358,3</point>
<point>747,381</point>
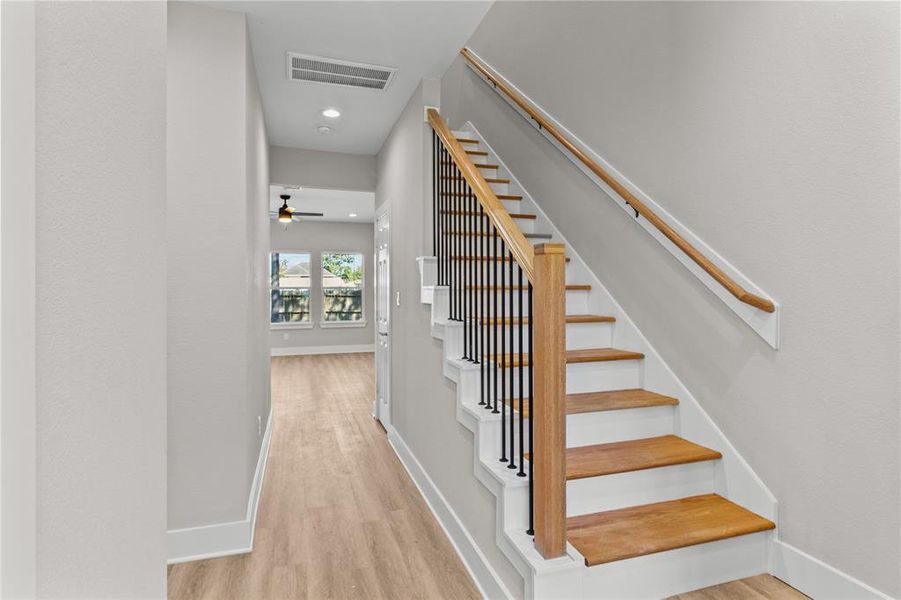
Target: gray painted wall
<point>772,131</point>
<point>218,243</point>
<point>331,170</point>
<point>100,292</point>
<point>327,237</point>
<point>423,401</point>
<point>18,441</point>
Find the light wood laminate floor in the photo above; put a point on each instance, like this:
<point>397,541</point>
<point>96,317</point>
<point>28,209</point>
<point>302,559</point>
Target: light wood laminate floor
<point>339,516</point>
<point>760,587</point>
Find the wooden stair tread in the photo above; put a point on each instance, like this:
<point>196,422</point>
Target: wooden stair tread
<point>570,287</point>
<point>569,319</point>
<point>470,213</point>
<point>488,179</point>
<point>494,258</point>
<point>616,400</point>
<point>639,530</point>
<point>532,236</point>
<point>477,152</point>
<point>601,355</point>
<point>477,165</point>
<point>634,455</point>
<point>453,194</point>
<point>572,356</point>
<point>467,141</point>
<point>604,401</point>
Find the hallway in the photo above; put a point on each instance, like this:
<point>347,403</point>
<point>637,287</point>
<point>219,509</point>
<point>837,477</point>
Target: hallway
<point>339,516</point>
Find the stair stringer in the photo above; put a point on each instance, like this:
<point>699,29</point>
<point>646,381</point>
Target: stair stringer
<point>735,479</point>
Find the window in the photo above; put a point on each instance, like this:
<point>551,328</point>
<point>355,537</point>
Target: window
<point>342,287</point>
<point>289,276</point>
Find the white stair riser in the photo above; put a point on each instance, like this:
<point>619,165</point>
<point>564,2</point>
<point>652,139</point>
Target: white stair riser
<point>677,571</point>
<point>580,377</point>
<point>576,302</point>
<point>604,427</point>
<point>603,376</point>
<point>609,492</point>
<point>584,430</point>
<point>578,335</point>
<point>618,425</point>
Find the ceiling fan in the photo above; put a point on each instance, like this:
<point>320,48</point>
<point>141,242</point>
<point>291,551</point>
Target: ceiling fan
<point>287,214</point>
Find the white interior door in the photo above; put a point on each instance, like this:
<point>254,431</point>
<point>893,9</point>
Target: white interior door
<point>382,409</point>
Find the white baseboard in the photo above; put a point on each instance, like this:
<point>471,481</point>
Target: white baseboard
<point>299,350</point>
<point>815,578</point>
<point>222,539</point>
<point>486,579</point>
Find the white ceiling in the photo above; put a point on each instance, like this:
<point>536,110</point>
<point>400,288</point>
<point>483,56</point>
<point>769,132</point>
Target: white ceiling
<point>420,39</point>
<point>336,205</point>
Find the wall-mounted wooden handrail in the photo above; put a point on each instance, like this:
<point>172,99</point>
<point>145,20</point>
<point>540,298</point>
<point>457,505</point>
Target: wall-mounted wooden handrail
<point>519,246</point>
<point>693,253</point>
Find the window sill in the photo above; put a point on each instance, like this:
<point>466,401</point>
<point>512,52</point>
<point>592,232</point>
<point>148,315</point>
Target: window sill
<point>280,326</point>
<point>341,324</point>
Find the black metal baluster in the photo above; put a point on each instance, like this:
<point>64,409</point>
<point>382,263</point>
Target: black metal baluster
<point>440,152</point>
<point>483,266</point>
<point>444,208</point>
<point>461,289</point>
<point>477,265</point>
<point>502,359</point>
<point>493,295</point>
<point>473,238</point>
<point>531,530</point>
<point>435,199</point>
<point>457,231</point>
<point>455,240</point>
<point>466,236</point>
<point>522,394</point>
<point>512,372</point>
<point>448,258</point>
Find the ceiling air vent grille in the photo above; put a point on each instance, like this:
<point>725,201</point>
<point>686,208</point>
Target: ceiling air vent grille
<point>302,67</point>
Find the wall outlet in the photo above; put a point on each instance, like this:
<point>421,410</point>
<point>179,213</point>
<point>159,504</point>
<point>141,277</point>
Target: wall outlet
<point>259,426</point>
<point>284,336</point>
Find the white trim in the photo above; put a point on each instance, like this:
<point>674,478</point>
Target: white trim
<point>766,325</point>
<point>300,350</point>
<point>291,325</point>
<point>486,579</point>
<point>222,539</point>
<point>341,324</point>
<point>815,578</point>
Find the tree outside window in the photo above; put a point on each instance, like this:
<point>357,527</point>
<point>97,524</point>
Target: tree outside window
<point>342,286</point>
<point>289,276</point>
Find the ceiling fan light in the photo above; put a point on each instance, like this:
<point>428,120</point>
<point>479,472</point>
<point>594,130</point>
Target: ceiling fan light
<point>285,213</point>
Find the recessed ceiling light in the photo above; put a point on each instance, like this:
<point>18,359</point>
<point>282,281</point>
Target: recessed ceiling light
<point>352,215</point>
<point>324,129</point>
<point>331,113</point>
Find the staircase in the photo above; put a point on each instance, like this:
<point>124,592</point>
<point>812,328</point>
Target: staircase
<point>657,502</point>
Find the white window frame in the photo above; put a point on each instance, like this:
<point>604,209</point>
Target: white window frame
<point>308,324</point>
<point>342,324</point>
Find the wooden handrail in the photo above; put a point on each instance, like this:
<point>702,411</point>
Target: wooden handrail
<point>519,246</point>
<point>693,253</point>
